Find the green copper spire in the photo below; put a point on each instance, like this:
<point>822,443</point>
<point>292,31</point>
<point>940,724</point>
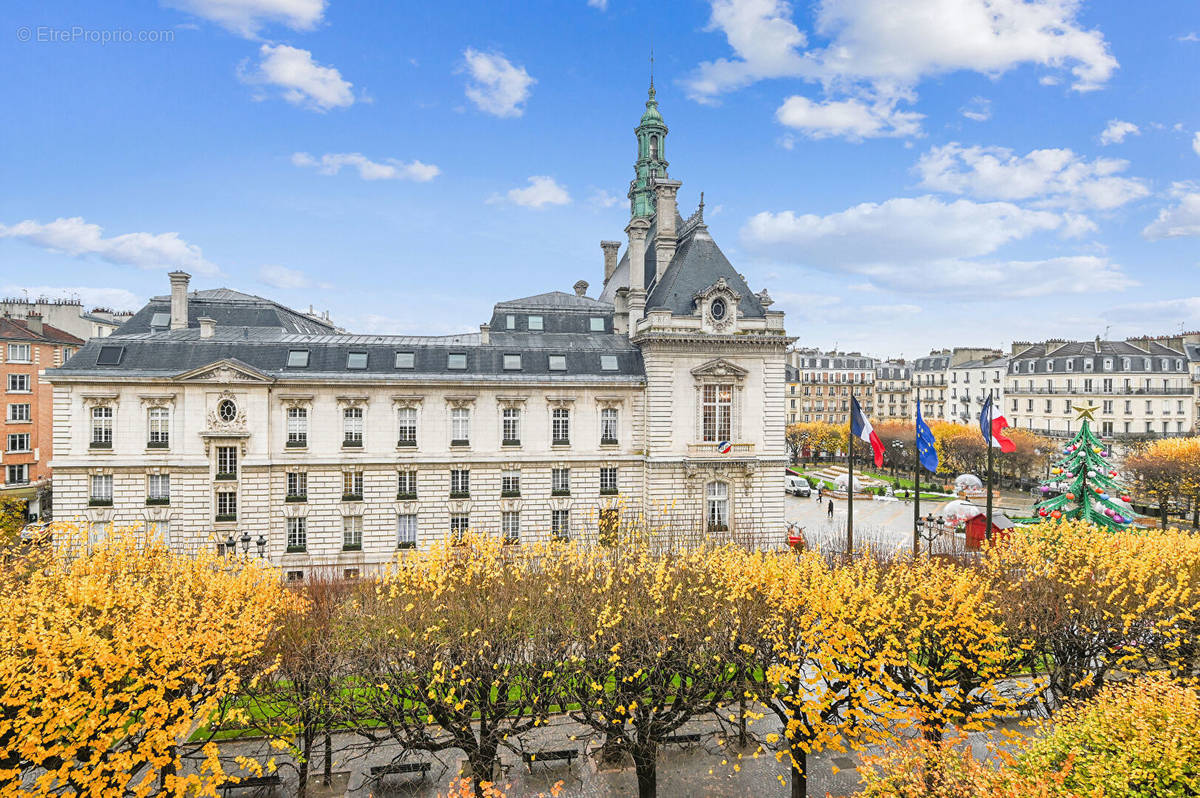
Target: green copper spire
<point>651,161</point>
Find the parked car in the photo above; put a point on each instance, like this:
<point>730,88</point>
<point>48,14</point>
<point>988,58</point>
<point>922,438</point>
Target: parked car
<point>797,486</point>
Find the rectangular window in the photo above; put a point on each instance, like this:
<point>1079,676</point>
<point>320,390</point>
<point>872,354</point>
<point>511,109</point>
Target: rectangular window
<point>18,475</point>
<point>18,442</point>
<point>406,426</point>
<point>297,486</point>
<point>226,505</point>
<point>297,427</point>
<point>560,482</point>
<point>460,524</point>
<point>18,383</point>
<point>718,506</point>
<point>1108,406</point>
<point>102,490</point>
<point>510,526</point>
<point>352,427</point>
<point>158,488</point>
<point>406,360</point>
<point>558,363</point>
<point>158,420</point>
<point>608,481</point>
<point>20,353</point>
<point>560,426</point>
<point>297,359</point>
<point>352,486</point>
<point>406,531</point>
<point>1106,428</point>
<point>18,412</point>
<point>560,524</point>
<point>406,485</point>
<point>596,324</point>
<point>352,528</point>
<point>608,425</point>
<point>535,323</point>
<point>512,362</point>
<point>608,362</point>
<point>295,576</point>
<point>102,427</point>
<point>460,483</point>
<point>297,534</point>
<point>110,355</point>
<point>510,322</point>
<point>510,426</point>
<point>227,457</point>
<point>717,412</point>
<point>460,426</point>
<point>510,483</point>
<point>456,360</point>
<point>356,360</point>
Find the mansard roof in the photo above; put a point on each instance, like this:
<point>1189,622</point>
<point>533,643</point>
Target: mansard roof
<point>230,309</point>
<point>555,300</point>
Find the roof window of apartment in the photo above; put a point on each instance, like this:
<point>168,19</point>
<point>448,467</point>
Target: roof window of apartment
<point>512,362</point>
<point>110,355</point>
<point>535,322</point>
<point>405,360</point>
<point>356,360</point>
<point>456,360</point>
<point>1070,365</point>
<point>608,362</point>
<point>597,323</point>
<point>297,359</point>
<point>160,321</point>
<point>20,353</point>
<point>510,322</point>
<point>1049,365</point>
<point>558,363</point>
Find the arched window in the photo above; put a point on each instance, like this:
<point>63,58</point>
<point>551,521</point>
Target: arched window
<point>717,506</point>
<point>654,147</point>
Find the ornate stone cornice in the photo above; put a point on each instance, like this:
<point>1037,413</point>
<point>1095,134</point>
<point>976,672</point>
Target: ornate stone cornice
<point>157,400</point>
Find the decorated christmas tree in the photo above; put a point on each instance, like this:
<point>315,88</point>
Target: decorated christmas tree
<point>1090,487</point>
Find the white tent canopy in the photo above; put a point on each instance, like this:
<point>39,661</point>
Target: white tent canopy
<point>967,482</point>
<point>960,510</point>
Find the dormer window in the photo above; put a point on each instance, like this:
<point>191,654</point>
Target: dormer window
<point>558,363</point>
<point>456,360</point>
<point>597,324</point>
<point>297,359</point>
<point>512,362</point>
<point>608,362</point>
<point>510,322</point>
<point>535,323</point>
<point>356,360</point>
<point>405,360</point>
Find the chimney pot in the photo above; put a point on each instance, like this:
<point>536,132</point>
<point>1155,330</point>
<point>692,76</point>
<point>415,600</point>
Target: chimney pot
<point>581,288</point>
<point>207,326</point>
<point>611,249</point>
<point>34,322</point>
<point>179,300</point>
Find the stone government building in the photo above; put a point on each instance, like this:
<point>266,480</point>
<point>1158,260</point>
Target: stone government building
<point>213,413</point>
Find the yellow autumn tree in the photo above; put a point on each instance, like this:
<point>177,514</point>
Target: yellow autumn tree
<point>111,658</point>
<point>814,437</point>
<point>1167,469</point>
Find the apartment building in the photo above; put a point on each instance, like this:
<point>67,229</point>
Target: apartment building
<point>826,380</point>
<point>893,390</point>
<point>929,380</point>
<point>972,375</point>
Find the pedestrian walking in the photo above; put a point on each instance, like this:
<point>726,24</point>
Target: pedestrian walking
<point>831,508</point>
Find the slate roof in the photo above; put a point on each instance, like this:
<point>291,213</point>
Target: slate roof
<point>556,300</point>
<point>1040,355</point>
<point>230,309</point>
<point>931,363</point>
<point>18,330</point>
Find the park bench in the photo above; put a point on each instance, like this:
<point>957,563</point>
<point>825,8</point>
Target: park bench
<point>681,739</point>
<point>568,754</point>
<point>252,783</point>
<point>399,768</point>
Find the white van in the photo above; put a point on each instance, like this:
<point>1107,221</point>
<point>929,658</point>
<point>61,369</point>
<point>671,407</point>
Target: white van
<point>797,486</point>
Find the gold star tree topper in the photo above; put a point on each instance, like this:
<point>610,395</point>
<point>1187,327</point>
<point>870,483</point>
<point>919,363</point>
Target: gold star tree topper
<point>1086,411</point>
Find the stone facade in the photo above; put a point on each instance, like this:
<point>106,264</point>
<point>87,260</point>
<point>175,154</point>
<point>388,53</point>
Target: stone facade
<point>825,381</point>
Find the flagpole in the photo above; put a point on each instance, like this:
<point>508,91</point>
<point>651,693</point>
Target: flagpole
<point>850,484</point>
<point>988,441</point>
<point>917,481</point>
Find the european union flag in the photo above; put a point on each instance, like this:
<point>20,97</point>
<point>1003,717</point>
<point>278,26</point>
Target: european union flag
<point>926,450</point>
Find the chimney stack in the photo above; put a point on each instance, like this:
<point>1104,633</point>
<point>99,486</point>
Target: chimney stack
<point>34,322</point>
<point>179,300</point>
<point>207,326</point>
<point>485,334</point>
<point>664,218</point>
<point>611,248</point>
<point>581,288</point>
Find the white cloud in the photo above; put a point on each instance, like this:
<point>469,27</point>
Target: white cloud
<point>1051,177</point>
<point>879,50</point>
<point>91,297</point>
<point>1189,37</point>
<point>304,82</point>
<point>497,87</point>
<point>925,245</point>
<point>76,237</point>
<point>283,277</point>
<point>851,118</point>
<point>390,169</point>
<point>1117,130</point>
<point>540,192</point>
<point>1158,313</point>
<point>1181,219</point>
<point>247,17</point>
<point>602,199</point>
<point>979,109</point>
<point>1196,142</point>
<point>600,4</point>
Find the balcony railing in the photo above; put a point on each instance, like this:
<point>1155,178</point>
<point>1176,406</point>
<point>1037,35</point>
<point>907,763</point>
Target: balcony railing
<point>1110,392</point>
<point>711,448</point>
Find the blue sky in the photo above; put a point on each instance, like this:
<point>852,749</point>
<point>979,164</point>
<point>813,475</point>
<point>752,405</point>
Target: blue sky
<point>899,175</point>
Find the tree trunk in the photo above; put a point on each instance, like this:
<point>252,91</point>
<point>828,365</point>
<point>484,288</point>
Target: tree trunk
<point>306,749</point>
<point>742,739</point>
<point>799,773</point>
<point>645,764</point>
<point>328,778</point>
<point>483,765</point>
<point>1164,513</point>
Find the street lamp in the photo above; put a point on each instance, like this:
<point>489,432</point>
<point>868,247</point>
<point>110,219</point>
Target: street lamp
<point>231,545</point>
<point>261,543</point>
<point>245,541</point>
<point>929,529</point>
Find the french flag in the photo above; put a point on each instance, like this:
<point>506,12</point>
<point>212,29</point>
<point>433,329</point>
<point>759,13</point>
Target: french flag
<point>861,428</point>
<point>993,426</point>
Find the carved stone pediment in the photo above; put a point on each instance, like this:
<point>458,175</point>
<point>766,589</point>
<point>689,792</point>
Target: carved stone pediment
<point>225,371</point>
<point>165,400</point>
<point>407,402</point>
<point>461,401</point>
<point>511,401</point>
<point>719,370</point>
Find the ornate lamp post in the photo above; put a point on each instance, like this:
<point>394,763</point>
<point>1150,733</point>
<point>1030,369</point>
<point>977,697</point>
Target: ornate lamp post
<point>261,543</point>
